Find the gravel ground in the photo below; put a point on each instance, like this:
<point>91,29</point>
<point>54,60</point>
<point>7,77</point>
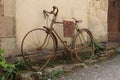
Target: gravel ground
<point>109,70</point>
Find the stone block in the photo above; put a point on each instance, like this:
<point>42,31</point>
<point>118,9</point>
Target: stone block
<point>1,9</point>
<point>9,8</point>
<point>6,26</point>
<point>9,46</point>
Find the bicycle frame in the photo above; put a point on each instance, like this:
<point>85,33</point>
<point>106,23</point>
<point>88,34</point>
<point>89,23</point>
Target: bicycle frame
<point>51,29</point>
<point>78,43</point>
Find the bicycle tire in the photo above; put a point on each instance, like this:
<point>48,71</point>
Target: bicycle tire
<point>83,45</point>
<point>36,43</point>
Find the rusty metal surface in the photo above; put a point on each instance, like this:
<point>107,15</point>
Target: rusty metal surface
<point>68,27</point>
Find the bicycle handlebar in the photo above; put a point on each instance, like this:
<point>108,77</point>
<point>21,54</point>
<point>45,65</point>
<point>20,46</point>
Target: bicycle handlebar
<point>54,12</point>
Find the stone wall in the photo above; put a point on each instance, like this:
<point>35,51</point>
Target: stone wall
<point>7,27</point>
<point>97,18</point>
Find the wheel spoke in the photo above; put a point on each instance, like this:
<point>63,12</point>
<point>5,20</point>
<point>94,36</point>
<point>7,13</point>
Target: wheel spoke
<point>82,44</point>
<point>37,48</point>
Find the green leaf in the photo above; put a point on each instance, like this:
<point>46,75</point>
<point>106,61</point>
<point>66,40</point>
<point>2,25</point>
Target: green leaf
<point>1,52</point>
<point>3,78</point>
<point>3,64</point>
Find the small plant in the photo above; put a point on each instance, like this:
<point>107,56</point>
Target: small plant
<point>2,60</point>
<point>9,70</point>
<point>99,47</point>
<point>55,74</point>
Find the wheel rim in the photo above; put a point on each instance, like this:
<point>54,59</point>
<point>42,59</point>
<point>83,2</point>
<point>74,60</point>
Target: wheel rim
<point>83,45</point>
<point>37,48</point>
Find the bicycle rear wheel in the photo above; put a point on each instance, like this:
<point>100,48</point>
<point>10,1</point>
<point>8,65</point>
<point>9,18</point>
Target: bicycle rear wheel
<point>37,47</point>
<point>83,45</point>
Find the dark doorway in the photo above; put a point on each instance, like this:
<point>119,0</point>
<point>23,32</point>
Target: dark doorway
<point>114,21</point>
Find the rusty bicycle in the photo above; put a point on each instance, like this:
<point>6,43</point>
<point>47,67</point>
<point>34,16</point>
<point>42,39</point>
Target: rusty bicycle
<point>39,46</point>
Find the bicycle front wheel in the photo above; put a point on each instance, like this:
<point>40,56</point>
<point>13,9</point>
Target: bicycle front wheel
<point>37,47</point>
<point>83,45</point>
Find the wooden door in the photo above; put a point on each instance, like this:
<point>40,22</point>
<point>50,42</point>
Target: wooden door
<point>114,21</point>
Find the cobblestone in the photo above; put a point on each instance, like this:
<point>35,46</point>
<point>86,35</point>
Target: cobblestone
<point>109,70</point>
